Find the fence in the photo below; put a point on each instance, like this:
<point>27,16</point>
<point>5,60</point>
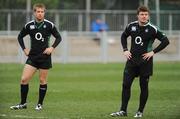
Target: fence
<point>80,47</point>
<point>79,20</point>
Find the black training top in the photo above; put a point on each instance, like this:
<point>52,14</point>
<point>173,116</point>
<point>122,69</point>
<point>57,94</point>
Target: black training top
<point>142,38</point>
<point>39,35</point>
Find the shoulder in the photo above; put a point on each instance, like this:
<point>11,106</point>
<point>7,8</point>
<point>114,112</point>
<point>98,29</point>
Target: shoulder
<point>29,24</point>
<point>132,26</point>
<point>132,23</point>
<point>49,23</point>
<point>94,23</point>
<point>152,26</point>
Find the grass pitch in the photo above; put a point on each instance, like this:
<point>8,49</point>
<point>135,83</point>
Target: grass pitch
<point>90,91</point>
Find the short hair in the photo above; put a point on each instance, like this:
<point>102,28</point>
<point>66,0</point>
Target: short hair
<point>143,9</point>
<point>38,5</point>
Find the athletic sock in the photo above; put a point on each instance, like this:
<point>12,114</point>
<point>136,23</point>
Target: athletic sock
<point>24,92</point>
<point>42,93</point>
<point>143,100</point>
<point>125,98</point>
<point>126,91</point>
<point>144,92</point>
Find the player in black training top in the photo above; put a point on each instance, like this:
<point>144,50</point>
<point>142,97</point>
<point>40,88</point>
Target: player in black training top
<point>39,55</point>
<point>139,58</point>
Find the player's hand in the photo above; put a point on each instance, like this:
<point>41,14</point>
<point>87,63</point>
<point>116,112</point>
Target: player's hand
<point>147,56</point>
<point>128,54</point>
<point>26,51</point>
<point>48,51</point>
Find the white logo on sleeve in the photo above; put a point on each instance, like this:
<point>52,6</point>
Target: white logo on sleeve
<point>38,36</point>
<point>32,27</point>
<point>138,40</point>
<point>133,28</point>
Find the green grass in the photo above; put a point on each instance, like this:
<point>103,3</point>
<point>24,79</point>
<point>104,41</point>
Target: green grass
<point>90,91</point>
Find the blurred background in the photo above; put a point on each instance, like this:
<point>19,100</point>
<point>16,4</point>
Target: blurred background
<point>75,19</point>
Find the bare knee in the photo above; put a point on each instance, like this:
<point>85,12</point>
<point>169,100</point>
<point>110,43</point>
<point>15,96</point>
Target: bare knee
<point>42,81</point>
<point>43,76</point>
<point>24,80</point>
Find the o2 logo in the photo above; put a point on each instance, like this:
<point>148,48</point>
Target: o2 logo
<point>138,41</point>
<point>38,36</point>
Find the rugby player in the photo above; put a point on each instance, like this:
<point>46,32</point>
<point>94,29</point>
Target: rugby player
<point>39,54</point>
<point>139,58</point>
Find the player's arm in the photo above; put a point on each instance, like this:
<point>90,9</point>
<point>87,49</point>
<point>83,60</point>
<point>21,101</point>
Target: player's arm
<point>57,36</point>
<point>124,37</point>
<point>58,39</point>
<point>163,43</point>
<point>21,35</point>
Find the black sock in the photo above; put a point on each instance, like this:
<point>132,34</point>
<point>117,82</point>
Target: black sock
<point>42,93</point>
<point>24,92</point>
<point>125,98</point>
<point>126,91</point>
<point>144,92</point>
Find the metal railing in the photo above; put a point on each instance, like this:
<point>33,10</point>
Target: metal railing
<point>79,20</point>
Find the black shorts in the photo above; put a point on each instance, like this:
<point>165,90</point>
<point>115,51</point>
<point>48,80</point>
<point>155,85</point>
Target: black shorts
<point>41,64</point>
<point>139,67</point>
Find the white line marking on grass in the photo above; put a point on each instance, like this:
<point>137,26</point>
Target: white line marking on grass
<point>28,117</point>
<point>22,116</point>
<point>3,115</point>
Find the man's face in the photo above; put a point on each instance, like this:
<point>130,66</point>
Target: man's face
<point>143,17</point>
<point>39,14</point>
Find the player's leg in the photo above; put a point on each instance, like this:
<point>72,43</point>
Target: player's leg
<point>146,70</point>
<point>126,90</point>
<point>126,93</point>
<point>43,73</point>
<point>144,80</point>
<point>27,74</point>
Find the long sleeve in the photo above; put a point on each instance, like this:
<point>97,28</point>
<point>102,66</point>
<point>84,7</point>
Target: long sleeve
<point>124,36</point>
<point>57,35</point>
<point>163,39</point>
<point>21,35</point>
<point>162,45</point>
